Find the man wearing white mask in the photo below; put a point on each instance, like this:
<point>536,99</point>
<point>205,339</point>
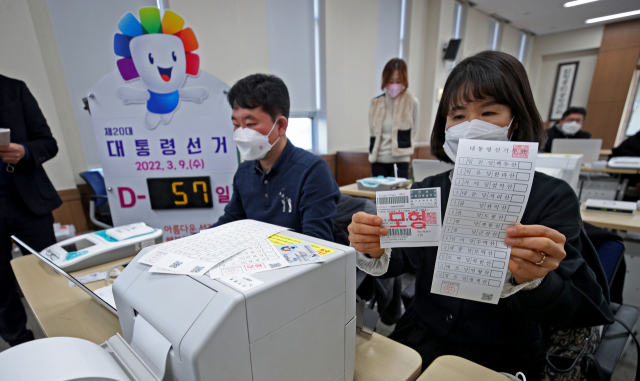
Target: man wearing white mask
<point>277,183</point>
<point>569,127</point>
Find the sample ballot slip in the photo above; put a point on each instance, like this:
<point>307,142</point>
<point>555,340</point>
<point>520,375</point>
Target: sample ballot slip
<point>412,217</point>
<point>489,192</point>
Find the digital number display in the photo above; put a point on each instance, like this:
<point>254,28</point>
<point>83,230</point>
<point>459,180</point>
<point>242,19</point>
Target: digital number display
<point>180,192</point>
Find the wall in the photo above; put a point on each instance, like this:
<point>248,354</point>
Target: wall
<point>617,62</point>
<point>546,81</point>
<point>350,68</point>
<point>579,45</point>
<point>22,59</point>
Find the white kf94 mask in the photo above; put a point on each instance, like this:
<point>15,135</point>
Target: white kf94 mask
<point>476,129</point>
<point>252,144</point>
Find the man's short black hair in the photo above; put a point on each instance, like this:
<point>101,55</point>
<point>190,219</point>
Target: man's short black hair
<point>575,110</point>
<point>261,90</point>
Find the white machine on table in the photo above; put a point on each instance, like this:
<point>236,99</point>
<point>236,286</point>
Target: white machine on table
<point>382,183</point>
<point>299,324</point>
<point>103,246</point>
<point>629,162</point>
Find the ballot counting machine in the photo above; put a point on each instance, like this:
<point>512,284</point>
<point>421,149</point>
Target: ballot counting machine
<point>299,324</point>
<point>92,249</point>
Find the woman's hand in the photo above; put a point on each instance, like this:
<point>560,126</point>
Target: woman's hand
<point>535,250</point>
<point>364,233</point>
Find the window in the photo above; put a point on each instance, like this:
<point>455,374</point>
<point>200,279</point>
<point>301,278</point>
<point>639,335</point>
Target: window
<point>494,34</point>
<point>457,19</point>
<point>522,46</point>
<point>403,11</point>
<point>300,132</point>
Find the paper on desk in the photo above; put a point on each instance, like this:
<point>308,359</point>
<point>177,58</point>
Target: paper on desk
<point>210,246</point>
<point>93,277</point>
<point>300,254</point>
<point>106,294</point>
<point>489,192</point>
<point>412,217</point>
<point>241,282</point>
<point>260,257</point>
<point>5,136</point>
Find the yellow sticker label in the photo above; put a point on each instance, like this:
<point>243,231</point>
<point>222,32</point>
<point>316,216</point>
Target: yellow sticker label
<point>279,239</point>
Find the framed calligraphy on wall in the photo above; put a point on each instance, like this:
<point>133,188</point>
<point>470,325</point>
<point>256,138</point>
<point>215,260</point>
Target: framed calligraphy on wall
<point>563,89</point>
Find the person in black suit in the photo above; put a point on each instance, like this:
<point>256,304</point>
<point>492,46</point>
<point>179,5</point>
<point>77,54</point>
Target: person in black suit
<point>569,127</point>
<point>27,197</point>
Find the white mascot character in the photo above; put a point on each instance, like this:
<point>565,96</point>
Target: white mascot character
<point>160,54</point>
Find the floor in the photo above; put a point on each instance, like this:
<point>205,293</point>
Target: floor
<point>625,371</point>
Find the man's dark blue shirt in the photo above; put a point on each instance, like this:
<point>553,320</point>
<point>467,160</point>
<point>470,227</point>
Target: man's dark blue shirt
<point>299,192</point>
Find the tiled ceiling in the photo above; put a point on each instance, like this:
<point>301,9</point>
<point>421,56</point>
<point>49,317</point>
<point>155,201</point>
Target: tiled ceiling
<point>549,16</point>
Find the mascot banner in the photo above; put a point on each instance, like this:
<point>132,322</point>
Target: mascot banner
<point>163,128</point>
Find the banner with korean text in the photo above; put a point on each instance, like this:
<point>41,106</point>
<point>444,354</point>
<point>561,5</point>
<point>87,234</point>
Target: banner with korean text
<point>163,128</point>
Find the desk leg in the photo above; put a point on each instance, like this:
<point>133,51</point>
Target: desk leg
<point>623,189</point>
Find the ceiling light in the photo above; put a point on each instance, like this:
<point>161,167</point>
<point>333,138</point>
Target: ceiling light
<point>611,17</point>
<point>577,2</point>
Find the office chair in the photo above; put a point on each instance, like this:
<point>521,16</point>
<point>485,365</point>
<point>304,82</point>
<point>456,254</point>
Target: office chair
<point>99,212</point>
<point>616,335</point>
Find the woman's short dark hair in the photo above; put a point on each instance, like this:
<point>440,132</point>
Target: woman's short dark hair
<point>395,64</point>
<point>489,74</point>
<point>261,90</point>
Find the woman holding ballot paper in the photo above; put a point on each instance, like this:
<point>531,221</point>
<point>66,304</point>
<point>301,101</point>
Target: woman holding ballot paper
<point>554,277</point>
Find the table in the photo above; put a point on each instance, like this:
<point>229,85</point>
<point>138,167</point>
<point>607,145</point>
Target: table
<point>352,190</point>
<point>621,171</point>
<point>68,311</point>
<point>453,368</point>
<point>610,220</point>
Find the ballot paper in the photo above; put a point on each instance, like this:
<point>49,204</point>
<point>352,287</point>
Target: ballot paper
<point>198,253</point>
<point>297,254</point>
<point>5,136</point>
<point>106,294</point>
<point>89,278</point>
<point>489,192</point>
<point>260,257</point>
<point>412,217</point>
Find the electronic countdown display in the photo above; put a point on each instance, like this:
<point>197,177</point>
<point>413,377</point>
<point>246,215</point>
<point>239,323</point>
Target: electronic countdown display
<point>180,192</point>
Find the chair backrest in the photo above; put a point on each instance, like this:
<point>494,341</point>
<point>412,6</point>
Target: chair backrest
<point>610,254</point>
<point>425,168</point>
<point>96,182</point>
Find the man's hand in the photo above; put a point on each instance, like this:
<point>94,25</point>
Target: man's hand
<point>364,234</point>
<point>12,153</point>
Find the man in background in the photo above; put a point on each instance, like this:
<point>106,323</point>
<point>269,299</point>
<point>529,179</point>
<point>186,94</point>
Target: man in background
<point>569,127</point>
<point>27,197</point>
<point>277,183</point>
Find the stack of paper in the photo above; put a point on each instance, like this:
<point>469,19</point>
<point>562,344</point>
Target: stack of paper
<point>238,248</point>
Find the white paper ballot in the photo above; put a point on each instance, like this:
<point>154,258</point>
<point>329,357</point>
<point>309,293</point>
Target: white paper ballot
<point>241,282</point>
<point>489,192</point>
<point>5,136</point>
<point>412,217</point>
<point>259,257</point>
<point>106,294</point>
<point>209,247</point>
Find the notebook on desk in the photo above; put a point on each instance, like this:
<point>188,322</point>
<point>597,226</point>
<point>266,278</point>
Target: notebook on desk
<point>101,300</point>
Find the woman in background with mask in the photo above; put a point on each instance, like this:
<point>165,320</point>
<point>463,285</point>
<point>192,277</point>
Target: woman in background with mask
<point>554,276</point>
<point>393,122</point>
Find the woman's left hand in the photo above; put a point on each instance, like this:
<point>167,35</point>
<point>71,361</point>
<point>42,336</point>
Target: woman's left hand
<point>535,250</point>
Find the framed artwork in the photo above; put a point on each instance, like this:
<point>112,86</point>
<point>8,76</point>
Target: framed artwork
<point>563,89</point>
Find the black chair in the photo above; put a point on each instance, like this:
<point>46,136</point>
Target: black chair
<point>99,212</point>
<point>614,336</point>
